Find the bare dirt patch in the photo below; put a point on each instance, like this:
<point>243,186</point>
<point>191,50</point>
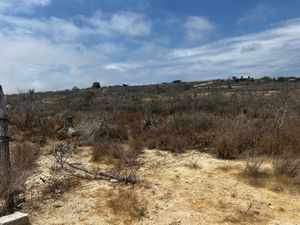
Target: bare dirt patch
<point>169,192</point>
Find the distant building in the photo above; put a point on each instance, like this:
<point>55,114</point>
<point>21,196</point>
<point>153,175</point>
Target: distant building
<point>75,88</point>
<point>293,79</point>
<point>241,79</point>
<point>96,85</point>
<point>177,81</point>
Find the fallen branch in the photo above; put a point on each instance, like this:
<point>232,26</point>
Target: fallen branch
<point>61,153</point>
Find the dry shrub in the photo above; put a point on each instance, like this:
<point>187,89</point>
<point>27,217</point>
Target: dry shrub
<point>167,141</point>
<point>225,147</point>
<point>126,204</point>
<point>60,154</point>
<point>28,115</point>
<point>24,157</point>
<point>235,137</point>
<point>56,187</point>
<point>193,164</point>
<point>95,130</point>
<point>285,141</point>
<point>254,173</point>
<point>107,151</point>
<point>287,165</point>
<point>23,162</point>
<point>123,158</point>
<point>253,168</point>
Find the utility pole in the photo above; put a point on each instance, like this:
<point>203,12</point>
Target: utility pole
<point>5,164</point>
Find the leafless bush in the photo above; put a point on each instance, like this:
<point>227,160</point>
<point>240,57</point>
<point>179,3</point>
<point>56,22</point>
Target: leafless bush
<point>61,153</point>
<point>107,150</point>
<point>94,130</point>
<point>253,167</point>
<point>23,162</point>
<point>288,165</point>
<point>56,187</point>
<point>226,147</point>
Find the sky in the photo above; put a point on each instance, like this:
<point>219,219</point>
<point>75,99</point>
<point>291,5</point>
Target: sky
<point>59,44</point>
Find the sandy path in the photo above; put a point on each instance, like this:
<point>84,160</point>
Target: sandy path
<point>176,194</point>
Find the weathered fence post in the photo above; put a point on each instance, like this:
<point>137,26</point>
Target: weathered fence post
<point>5,164</point>
<point>69,122</point>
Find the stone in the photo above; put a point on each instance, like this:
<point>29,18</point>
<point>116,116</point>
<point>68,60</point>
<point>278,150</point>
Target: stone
<point>57,206</point>
<point>17,218</point>
<point>8,107</point>
<point>72,132</point>
<point>114,181</point>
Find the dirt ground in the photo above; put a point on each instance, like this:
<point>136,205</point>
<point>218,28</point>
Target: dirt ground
<point>191,188</point>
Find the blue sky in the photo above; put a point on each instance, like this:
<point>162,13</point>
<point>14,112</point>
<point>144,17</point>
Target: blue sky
<point>58,44</point>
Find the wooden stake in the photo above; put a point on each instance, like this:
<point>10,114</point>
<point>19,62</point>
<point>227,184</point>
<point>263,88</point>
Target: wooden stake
<point>5,164</point>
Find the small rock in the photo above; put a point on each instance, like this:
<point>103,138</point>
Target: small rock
<point>17,218</point>
<point>114,181</point>
<point>57,191</point>
<point>57,206</point>
<point>72,132</point>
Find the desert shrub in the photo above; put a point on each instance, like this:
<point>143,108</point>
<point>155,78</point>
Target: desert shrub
<point>27,115</point>
<point>88,96</point>
<point>225,147</point>
<point>236,136</point>
<point>285,140</point>
<point>282,79</point>
<point>56,187</point>
<point>179,122</point>
<point>113,152</point>
<point>253,167</point>
<point>96,129</point>
<point>23,161</point>
<point>164,139</point>
<point>60,154</point>
<point>127,204</point>
<point>107,151</point>
<point>287,165</point>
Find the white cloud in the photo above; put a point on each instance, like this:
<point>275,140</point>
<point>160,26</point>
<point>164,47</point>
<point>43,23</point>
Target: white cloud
<point>23,6</point>
<point>259,13</point>
<point>125,23</point>
<point>197,28</point>
<point>117,24</point>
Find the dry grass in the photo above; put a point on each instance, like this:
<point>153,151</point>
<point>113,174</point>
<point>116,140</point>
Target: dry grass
<point>225,147</point>
<point>107,152</point>
<point>126,205</point>
<point>254,173</point>
<point>286,165</point>
<point>56,187</point>
<point>24,157</point>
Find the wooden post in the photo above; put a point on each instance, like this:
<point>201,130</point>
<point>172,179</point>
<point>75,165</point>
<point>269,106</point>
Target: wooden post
<point>69,122</point>
<point>5,164</point>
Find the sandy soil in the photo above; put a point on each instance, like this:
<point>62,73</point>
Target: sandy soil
<point>191,188</point>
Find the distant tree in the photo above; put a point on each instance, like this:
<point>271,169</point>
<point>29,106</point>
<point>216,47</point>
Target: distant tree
<point>266,78</point>
<point>229,84</point>
<point>75,89</point>
<point>282,79</point>
<point>31,91</point>
<point>88,96</point>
